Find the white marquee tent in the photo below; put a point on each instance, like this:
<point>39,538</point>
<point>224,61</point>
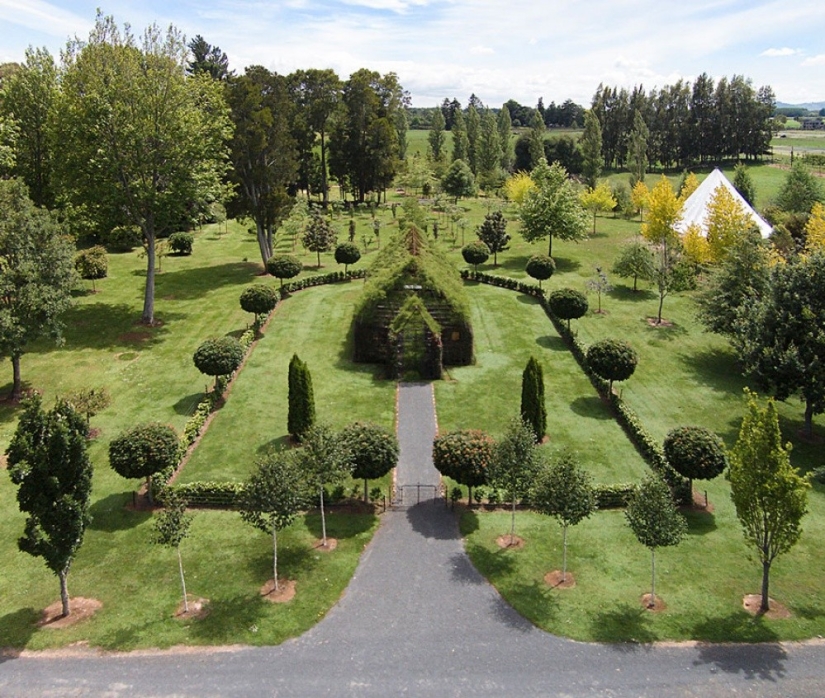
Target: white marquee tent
<point>695,208</point>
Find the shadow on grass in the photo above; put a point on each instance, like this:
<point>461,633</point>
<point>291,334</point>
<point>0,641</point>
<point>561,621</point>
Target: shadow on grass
<point>468,523</point>
<point>715,368</point>
<point>282,443</point>
<point>628,625</point>
<point>664,332</point>
<point>110,514</point>
<point>190,284</point>
<point>340,526</point>
<point>186,405</point>
<point>432,519</point>
<point>552,342</point>
<point>514,263</point>
<point>492,564</point>
<point>590,406</point>
<point>229,618</point>
<point>626,293</point>
<point>17,629</point>
<point>699,522</point>
<point>564,265</point>
<point>104,325</point>
<point>738,626</point>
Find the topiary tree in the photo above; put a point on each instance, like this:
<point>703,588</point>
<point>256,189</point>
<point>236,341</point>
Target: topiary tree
<point>655,521</point>
<point>48,462</point>
<point>218,357</point>
<point>284,266</point>
<point>612,360</point>
<point>464,456</point>
<point>347,253</point>
<point>540,267</point>
<point>565,492</point>
<point>695,453</point>
<point>259,300</point>
<point>567,304</point>
<point>92,264</point>
<point>372,449</point>
<point>475,253</point>
<point>301,399</point>
<point>144,450</point>
<point>181,243</point>
<point>533,409</point>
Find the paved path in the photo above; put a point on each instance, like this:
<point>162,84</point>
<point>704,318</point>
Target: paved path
<point>418,620</point>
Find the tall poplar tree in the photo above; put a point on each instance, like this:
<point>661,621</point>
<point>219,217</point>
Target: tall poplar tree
<point>505,127</point>
<point>591,147</point>
<point>437,138</point>
<point>473,137</point>
<point>461,146</point>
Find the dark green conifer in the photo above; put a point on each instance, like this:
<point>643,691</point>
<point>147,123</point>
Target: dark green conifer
<point>533,410</point>
<point>301,415</point>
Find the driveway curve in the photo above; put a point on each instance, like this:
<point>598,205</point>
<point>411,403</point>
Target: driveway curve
<point>419,620</point>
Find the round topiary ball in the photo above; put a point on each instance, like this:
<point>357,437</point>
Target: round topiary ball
<point>567,304</point>
<point>218,357</point>
<point>540,267</point>
<point>259,300</point>
<point>612,359</point>
<point>695,453</point>
<point>475,253</point>
<point>144,450</point>
<point>347,253</point>
<point>284,266</point>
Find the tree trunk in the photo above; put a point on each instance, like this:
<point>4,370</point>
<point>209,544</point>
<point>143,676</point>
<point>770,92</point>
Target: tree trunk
<point>323,520</point>
<point>513,522</point>
<point>324,184</point>
<point>764,607</point>
<point>182,582</point>
<point>275,556</point>
<point>149,293</point>
<point>365,491</point>
<point>661,303</point>
<point>17,384</point>
<point>550,245</point>
<point>64,590</point>
<point>469,496</point>
<point>263,243</point>
<point>564,554</point>
<point>809,417</point>
<point>652,578</point>
<point>319,258</point>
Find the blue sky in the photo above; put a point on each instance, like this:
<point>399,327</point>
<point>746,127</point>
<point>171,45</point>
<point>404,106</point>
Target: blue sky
<point>499,50</point>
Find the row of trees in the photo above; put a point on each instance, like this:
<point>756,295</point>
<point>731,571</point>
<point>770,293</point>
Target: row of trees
<point>686,122</point>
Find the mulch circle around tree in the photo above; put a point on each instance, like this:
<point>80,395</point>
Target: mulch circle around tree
<point>285,592</point>
<point>654,322</point>
<point>776,611</point>
<point>698,505</point>
<point>198,608</point>
<point>553,579</point>
<point>332,543</point>
<point>79,610</point>
<point>658,605</point>
<point>510,542</point>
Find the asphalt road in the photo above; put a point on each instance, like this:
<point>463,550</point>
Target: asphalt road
<point>418,620</point>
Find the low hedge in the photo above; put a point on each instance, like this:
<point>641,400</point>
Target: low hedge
<point>221,495</point>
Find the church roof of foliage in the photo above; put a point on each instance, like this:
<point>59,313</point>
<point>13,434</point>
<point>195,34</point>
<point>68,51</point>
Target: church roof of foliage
<point>408,264</point>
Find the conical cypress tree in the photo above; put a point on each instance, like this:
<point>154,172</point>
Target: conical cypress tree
<point>301,414</point>
<point>533,410</point>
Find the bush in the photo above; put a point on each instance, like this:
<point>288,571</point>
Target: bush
<point>567,304</point>
<point>181,243</point>
<point>219,357</point>
<point>612,360</point>
<point>284,266</point>
<point>540,267</point>
<point>92,263</point>
<point>259,300</point>
<point>695,453</point>
<point>143,451</point>
<point>475,253</point>
<point>347,253</point>
<point>123,238</point>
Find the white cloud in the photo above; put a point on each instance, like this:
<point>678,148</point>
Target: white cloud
<point>481,50</point>
<point>43,17</point>
<point>776,52</point>
<point>814,60</point>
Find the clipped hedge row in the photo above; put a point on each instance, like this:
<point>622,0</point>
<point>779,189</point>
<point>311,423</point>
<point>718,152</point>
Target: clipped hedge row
<point>503,282</point>
<point>613,496</point>
<point>221,495</point>
<point>322,279</point>
<point>645,444</point>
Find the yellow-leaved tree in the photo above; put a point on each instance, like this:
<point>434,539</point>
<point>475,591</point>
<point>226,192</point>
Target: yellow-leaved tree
<point>517,186</point>
<point>815,229</point>
<point>638,197</point>
<point>726,220</point>
<point>689,185</point>
<point>598,200</point>
<point>664,214</point>
<point>695,245</point>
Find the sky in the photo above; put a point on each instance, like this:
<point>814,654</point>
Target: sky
<point>497,50</point>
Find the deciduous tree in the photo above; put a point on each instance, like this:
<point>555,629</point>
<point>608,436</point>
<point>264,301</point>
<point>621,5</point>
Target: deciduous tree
<point>459,180</point>
<point>635,261</point>
<point>372,450</point>
<point>564,491</point>
<point>171,527</point>
<point>493,233</point>
<point>726,221</point>
<point>655,521</point>
<point>139,142</point>
<point>319,235</point>
<point>598,200</point>
<point>660,230</point>
<point>769,494</point>
<point>48,462</point>
<point>437,138</point>
<point>464,456</point>
<point>36,276</point>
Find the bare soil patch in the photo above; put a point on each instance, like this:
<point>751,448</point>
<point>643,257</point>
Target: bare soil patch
<point>284,593</point>
<point>198,608</point>
<point>510,542</point>
<point>777,611</point>
<point>135,337</point>
<point>80,609</point>
<point>332,543</point>
<point>656,607</point>
<point>554,579</point>
<point>4,461</point>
